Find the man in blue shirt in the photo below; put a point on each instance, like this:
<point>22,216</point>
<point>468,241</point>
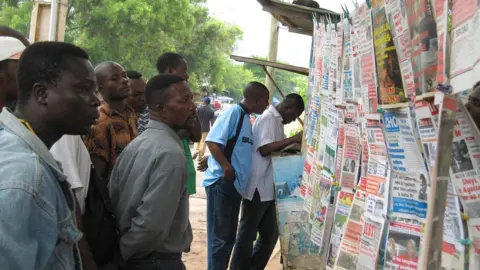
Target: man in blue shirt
<point>226,179</point>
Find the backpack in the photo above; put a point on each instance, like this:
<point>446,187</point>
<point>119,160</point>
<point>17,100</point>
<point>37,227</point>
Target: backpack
<point>228,150</point>
<point>99,223</point>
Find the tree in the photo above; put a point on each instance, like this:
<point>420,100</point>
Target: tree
<point>288,82</point>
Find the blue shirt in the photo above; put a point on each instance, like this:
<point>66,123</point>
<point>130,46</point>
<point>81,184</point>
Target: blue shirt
<point>224,129</point>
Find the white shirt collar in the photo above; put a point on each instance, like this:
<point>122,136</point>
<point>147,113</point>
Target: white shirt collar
<point>275,113</point>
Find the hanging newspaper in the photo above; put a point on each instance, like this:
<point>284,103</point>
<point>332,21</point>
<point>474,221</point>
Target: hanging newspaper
<point>475,35</point>
<point>370,243</point>
<point>340,64</point>
<point>424,49</point>
<point>347,81</point>
<point>351,156</point>
<point>465,165</point>
<point>340,141</point>
<point>325,55</point>
<point>331,137</point>
<point>318,213</point>
<point>397,17</point>
<point>409,178</point>
<point>367,63</point>
<point>351,241</point>
<point>403,243</point>
<point>462,58</point>
<point>342,210</point>
<point>354,35</point>
<point>391,93</point>
<point>334,61</point>
<point>293,222</point>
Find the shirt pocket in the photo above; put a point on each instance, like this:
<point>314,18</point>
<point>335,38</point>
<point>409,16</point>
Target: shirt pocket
<point>65,250</point>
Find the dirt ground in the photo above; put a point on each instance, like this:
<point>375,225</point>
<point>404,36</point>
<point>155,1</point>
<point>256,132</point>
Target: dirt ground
<point>197,258</point>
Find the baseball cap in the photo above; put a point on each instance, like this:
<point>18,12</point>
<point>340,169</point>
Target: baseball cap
<point>206,100</point>
<point>10,48</point>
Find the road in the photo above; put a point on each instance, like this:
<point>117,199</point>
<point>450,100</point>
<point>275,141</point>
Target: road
<point>197,258</point>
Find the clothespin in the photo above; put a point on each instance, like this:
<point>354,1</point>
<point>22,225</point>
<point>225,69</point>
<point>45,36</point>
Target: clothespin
<point>325,22</point>
<point>333,176</point>
<point>422,230</point>
<point>335,184</point>
<point>380,110</point>
<point>369,5</point>
<point>466,242</point>
<point>465,217</point>
<point>444,88</point>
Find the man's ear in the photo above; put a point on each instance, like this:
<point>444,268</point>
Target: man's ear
<point>40,93</point>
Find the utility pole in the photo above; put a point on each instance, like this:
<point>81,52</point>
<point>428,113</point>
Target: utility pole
<point>272,55</point>
<point>49,20</point>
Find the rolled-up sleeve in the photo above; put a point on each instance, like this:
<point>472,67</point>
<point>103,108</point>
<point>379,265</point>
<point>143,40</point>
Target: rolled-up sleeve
<point>155,214</point>
<point>19,235</point>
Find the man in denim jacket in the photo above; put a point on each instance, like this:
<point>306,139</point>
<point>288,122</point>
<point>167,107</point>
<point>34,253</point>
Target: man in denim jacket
<point>56,97</point>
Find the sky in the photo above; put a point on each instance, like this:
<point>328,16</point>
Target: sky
<point>255,23</point>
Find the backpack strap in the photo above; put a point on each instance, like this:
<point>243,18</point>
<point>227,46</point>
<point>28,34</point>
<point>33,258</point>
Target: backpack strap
<point>231,142</point>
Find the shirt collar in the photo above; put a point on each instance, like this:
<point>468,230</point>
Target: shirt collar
<point>105,108</point>
<point>154,124</point>
<point>14,125</point>
<point>275,113</point>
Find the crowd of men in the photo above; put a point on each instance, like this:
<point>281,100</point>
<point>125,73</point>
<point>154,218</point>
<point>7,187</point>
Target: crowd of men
<point>81,147</point>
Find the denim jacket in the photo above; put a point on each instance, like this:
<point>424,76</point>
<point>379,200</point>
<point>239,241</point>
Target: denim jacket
<point>37,222</point>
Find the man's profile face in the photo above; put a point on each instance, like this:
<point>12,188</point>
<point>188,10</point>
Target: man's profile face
<point>72,103</point>
<point>115,85</point>
<point>261,104</point>
<point>136,100</point>
<point>179,108</point>
<point>291,114</point>
<point>8,79</point>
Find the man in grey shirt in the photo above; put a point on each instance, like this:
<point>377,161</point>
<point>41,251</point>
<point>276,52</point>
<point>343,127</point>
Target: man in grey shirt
<point>148,183</point>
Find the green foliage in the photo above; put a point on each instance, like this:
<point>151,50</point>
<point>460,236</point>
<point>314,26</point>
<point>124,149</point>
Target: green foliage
<point>287,81</point>
<point>135,32</point>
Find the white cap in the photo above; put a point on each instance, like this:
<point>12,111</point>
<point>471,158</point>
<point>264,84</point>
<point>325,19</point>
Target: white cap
<point>10,48</point>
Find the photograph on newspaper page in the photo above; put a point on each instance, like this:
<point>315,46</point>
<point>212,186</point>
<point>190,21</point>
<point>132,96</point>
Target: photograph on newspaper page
<point>350,243</point>
<point>403,244</point>
<point>391,91</point>
<point>342,210</point>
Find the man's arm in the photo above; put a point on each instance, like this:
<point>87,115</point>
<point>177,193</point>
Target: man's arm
<point>273,147</point>
<point>98,145</point>
<point>158,208</point>
<point>20,217</point>
<point>219,156</point>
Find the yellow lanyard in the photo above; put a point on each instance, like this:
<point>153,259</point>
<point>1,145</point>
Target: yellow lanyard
<point>27,125</point>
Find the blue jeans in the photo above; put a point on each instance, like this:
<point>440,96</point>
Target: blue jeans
<point>223,207</point>
<point>154,262</point>
<point>261,217</point>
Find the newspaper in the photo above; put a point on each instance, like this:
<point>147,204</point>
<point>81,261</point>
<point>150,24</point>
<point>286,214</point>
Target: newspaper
<point>325,55</point>
<point>347,73</point>
<point>403,243</point>
<point>464,171</point>
<point>340,55</point>
<point>349,251</point>
<point>370,243</point>
<point>293,223</point>
<point>342,210</point>
<point>357,87</point>
<point>331,137</point>
<point>462,47</point>
<point>391,91</point>
<point>398,19</point>
<point>340,144</point>
<point>334,61</point>
<point>424,44</point>
<point>351,156</point>
<point>318,213</point>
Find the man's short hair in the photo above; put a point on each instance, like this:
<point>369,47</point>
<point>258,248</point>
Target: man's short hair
<point>295,100</point>
<point>159,85</point>
<point>134,75</point>
<point>168,60</point>
<point>477,84</point>
<point>254,90</point>
<point>43,62</point>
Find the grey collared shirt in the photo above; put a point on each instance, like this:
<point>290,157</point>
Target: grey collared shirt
<point>149,195</point>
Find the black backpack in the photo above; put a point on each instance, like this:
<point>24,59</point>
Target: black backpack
<point>99,223</point>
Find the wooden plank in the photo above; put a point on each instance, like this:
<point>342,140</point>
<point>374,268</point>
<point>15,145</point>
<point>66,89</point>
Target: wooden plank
<point>290,68</point>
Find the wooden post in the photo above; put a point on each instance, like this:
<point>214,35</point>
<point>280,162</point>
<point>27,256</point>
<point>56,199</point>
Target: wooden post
<point>40,22</point>
<point>272,55</point>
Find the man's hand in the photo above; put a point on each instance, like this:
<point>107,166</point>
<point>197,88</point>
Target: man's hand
<point>228,173</point>
<point>203,164</point>
<point>298,137</point>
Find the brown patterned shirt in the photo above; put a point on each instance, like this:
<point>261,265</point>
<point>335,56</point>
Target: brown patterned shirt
<point>112,133</point>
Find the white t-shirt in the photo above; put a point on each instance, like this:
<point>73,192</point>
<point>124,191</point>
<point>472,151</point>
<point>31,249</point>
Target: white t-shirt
<point>72,153</point>
<point>268,128</point>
